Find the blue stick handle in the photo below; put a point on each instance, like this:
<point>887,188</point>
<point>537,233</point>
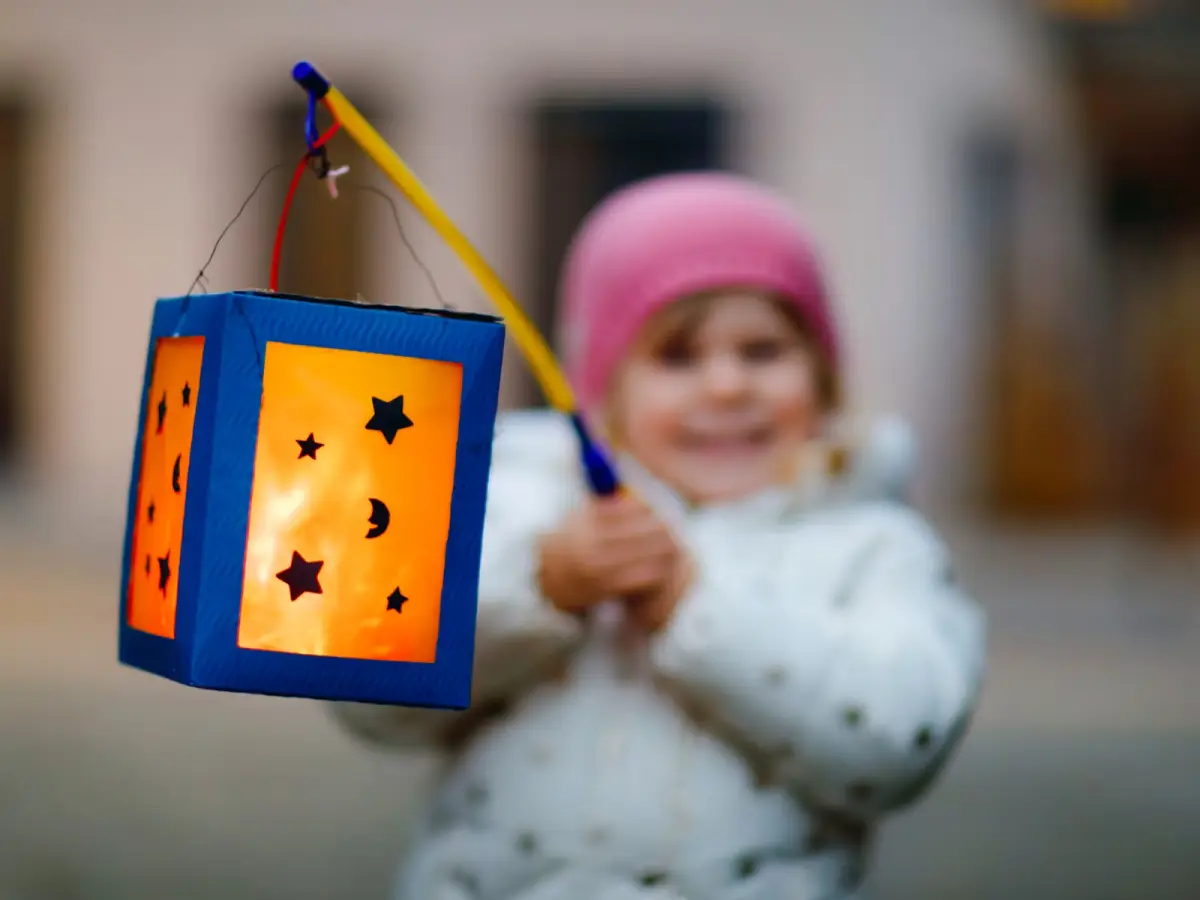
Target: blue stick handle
<point>600,473</point>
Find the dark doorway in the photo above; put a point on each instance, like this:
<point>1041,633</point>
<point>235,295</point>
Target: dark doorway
<point>1137,90</point>
<point>14,133</point>
<point>584,150</point>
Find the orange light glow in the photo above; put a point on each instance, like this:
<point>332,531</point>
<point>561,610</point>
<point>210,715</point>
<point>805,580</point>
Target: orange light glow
<point>350,510</point>
<point>162,484</point>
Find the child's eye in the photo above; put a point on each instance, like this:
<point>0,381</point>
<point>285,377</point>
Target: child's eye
<point>676,354</point>
<point>762,351</point>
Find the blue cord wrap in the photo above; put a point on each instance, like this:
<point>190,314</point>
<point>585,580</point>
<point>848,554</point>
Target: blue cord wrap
<point>599,471</point>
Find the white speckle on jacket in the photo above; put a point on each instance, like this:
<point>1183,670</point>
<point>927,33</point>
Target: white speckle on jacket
<point>818,676</point>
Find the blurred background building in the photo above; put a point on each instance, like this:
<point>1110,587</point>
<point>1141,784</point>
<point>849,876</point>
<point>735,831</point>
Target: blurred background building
<point>1008,198</point>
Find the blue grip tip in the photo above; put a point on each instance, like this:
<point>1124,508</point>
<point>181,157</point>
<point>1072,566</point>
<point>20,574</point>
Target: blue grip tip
<point>306,75</point>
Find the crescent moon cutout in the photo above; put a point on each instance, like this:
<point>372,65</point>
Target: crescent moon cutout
<point>380,518</point>
<point>175,474</point>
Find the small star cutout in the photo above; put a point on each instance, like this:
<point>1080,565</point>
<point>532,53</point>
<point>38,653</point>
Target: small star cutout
<point>147,566</point>
<point>308,447</point>
<point>389,417</point>
<point>164,571</point>
<point>176,472</point>
<point>150,512</point>
<point>162,412</point>
<point>301,576</point>
<point>187,394</point>
<point>396,601</point>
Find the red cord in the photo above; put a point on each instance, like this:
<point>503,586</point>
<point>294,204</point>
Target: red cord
<point>277,253</point>
<point>331,131</point>
<point>287,208</point>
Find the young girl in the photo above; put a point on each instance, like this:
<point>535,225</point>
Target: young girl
<point>715,685</point>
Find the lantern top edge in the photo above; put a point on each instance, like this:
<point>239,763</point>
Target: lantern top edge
<point>444,313</point>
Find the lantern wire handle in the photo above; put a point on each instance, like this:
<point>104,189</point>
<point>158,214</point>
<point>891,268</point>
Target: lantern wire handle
<point>600,473</point>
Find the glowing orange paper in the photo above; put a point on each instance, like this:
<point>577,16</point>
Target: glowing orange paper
<point>162,484</point>
<point>326,477</point>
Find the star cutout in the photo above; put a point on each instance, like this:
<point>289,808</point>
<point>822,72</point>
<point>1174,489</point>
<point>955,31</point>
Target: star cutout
<point>162,412</point>
<point>187,394</point>
<point>147,566</point>
<point>396,601</point>
<point>309,447</point>
<point>164,571</point>
<point>301,576</point>
<point>389,417</point>
<point>150,512</point>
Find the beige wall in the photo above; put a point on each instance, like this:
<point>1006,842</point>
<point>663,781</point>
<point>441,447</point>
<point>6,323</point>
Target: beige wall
<point>148,144</point>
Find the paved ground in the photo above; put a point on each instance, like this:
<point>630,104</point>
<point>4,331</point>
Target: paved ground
<point>1080,782</point>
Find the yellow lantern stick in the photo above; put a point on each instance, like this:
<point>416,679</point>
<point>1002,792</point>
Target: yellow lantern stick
<point>532,345</point>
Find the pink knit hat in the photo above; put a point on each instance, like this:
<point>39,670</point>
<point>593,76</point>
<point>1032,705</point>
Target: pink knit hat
<point>667,237</point>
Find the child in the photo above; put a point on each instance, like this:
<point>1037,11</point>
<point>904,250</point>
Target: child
<point>714,686</point>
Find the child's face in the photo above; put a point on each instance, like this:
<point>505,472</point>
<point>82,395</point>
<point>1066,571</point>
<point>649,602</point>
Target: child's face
<point>718,396</point>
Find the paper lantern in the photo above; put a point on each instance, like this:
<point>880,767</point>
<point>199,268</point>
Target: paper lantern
<point>306,509</point>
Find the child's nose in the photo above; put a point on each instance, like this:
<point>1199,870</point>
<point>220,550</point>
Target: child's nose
<point>725,377</point>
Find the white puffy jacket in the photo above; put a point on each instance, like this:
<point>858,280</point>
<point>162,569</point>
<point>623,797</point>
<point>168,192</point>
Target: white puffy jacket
<point>818,676</point>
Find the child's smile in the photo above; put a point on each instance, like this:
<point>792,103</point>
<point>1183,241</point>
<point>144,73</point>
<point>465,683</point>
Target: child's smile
<point>732,441</point>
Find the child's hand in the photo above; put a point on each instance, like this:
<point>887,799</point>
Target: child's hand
<point>653,609</point>
<point>608,548</point>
